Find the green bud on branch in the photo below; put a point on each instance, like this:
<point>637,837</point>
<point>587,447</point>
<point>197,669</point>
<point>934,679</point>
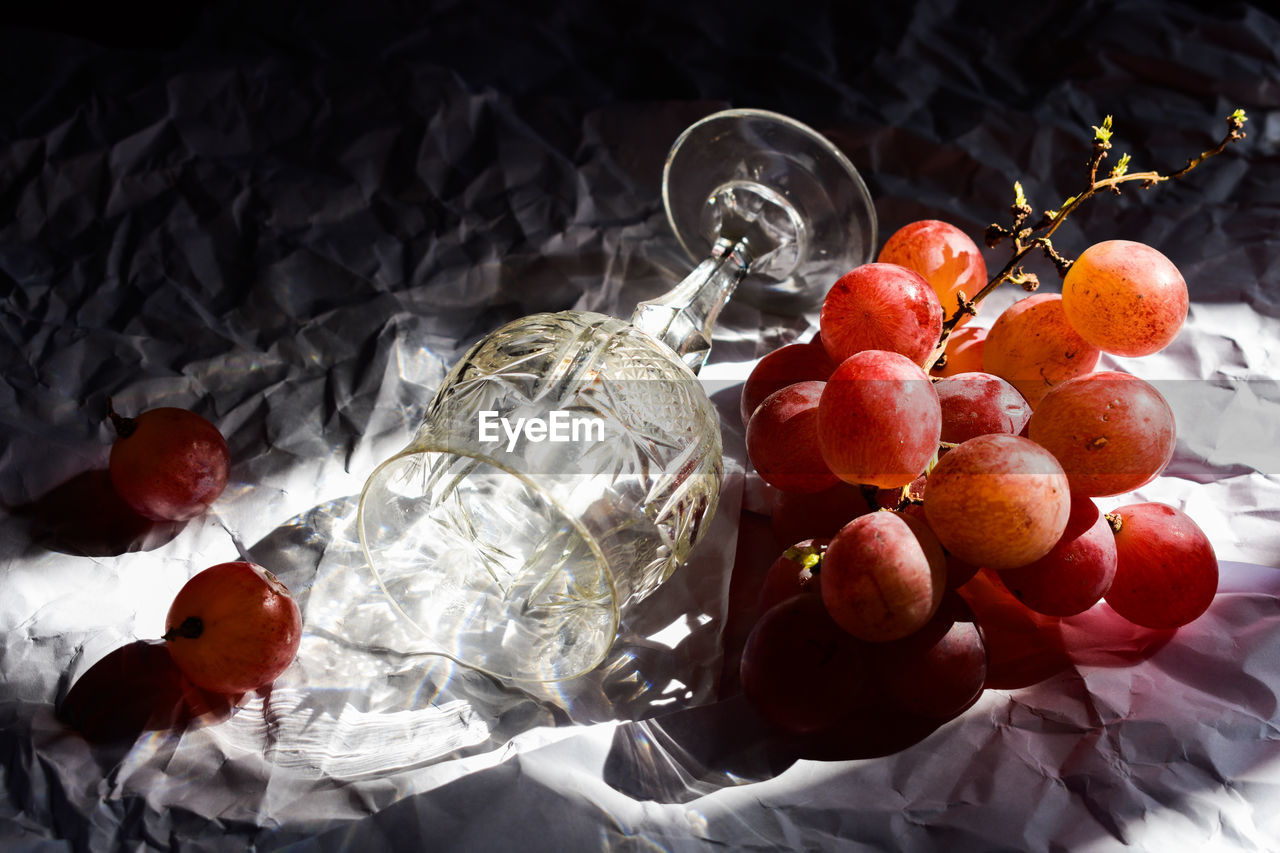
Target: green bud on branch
<point>1102,135</point>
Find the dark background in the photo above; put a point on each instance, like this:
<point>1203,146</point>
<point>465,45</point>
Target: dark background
<point>282,160</point>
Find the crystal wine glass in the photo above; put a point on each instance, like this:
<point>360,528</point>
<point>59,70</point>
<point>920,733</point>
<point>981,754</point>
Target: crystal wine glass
<point>568,463</point>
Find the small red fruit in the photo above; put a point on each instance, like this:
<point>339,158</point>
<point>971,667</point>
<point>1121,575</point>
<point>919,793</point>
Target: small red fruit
<point>169,464</point>
<point>1166,570</point>
<point>782,367</point>
<point>881,307</point>
<point>796,517</point>
<point>800,671</point>
<point>878,420</point>
<point>939,670</point>
<point>233,628</point>
<point>883,576</point>
<point>976,404</point>
<point>947,258</point>
<point>782,440</point>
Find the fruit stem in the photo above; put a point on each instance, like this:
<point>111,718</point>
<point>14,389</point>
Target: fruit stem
<point>808,556</point>
<point>125,427</point>
<point>191,628</point>
<point>1028,238</point>
<point>1116,522</point>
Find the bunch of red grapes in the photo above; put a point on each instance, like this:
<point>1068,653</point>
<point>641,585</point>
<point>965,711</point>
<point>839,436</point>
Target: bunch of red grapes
<point>906,461</point>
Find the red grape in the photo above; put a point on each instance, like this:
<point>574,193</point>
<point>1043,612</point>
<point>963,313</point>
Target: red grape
<point>883,576</point>
<point>799,516</point>
<point>795,571</point>
<point>799,670</point>
<point>878,420</point>
<point>941,668</point>
<point>782,440</point>
<point>976,404</point>
<point>1076,573</point>
<point>944,255</point>
<point>1032,345</point>
<point>782,367</point>
<point>168,464</point>
<point>1125,298</point>
<point>1111,432</point>
<point>881,307</point>
<point>1166,571</point>
<point>233,628</point>
<point>963,352</point>
<point>999,501</point>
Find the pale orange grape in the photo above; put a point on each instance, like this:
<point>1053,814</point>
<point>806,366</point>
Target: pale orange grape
<point>1033,347</point>
<point>947,258</point>
<point>999,501</point>
<point>1111,432</point>
<point>1125,298</point>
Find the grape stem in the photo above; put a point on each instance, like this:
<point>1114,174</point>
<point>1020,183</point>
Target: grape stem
<point>808,556</point>
<point>191,628</point>
<point>1029,238</point>
<point>125,427</point>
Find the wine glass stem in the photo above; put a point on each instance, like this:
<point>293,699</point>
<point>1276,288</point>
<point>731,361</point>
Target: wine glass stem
<point>682,318</point>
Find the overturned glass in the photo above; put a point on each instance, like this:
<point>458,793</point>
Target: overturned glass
<point>568,463</point>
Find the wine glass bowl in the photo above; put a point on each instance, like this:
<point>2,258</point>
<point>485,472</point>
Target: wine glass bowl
<point>515,553</point>
<point>516,556</point>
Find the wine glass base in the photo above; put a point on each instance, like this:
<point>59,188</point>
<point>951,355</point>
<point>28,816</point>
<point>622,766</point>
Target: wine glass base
<point>771,225</point>
<point>790,190</point>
